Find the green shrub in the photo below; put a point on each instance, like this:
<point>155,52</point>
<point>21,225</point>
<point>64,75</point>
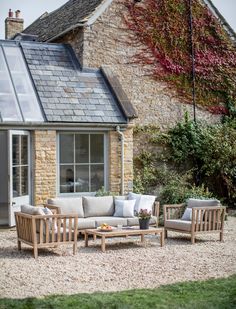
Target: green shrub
<point>197,156</point>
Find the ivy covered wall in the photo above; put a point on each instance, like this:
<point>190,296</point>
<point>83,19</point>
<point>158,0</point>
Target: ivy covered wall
<point>162,28</point>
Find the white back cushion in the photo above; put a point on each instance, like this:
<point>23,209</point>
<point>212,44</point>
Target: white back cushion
<point>98,206</point>
<point>69,205</point>
<point>142,201</point>
<point>192,202</point>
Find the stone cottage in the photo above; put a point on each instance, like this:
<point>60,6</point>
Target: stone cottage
<point>68,129</point>
<point>64,130</point>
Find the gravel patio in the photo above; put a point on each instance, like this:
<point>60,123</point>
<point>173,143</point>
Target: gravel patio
<point>125,265</point>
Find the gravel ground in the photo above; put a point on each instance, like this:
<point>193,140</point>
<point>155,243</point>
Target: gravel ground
<point>127,264</point>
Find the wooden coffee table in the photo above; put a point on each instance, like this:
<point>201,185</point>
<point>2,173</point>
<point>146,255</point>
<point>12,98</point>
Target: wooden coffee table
<point>124,232</point>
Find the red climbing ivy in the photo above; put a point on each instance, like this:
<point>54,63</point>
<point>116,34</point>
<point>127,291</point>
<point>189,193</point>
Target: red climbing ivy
<point>162,28</point>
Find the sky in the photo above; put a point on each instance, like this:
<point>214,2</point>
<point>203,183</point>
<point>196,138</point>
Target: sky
<point>30,11</point>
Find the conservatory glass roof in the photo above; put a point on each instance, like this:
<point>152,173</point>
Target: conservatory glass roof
<point>18,101</point>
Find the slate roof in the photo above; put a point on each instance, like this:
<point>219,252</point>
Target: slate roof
<point>74,11</point>
<point>67,93</point>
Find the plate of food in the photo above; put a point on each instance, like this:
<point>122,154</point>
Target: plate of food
<point>105,228</point>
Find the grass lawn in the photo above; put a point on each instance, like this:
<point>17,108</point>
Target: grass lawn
<point>211,294</point>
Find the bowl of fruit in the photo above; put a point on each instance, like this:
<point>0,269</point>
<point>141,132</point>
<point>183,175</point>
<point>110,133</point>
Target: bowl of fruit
<point>105,227</point>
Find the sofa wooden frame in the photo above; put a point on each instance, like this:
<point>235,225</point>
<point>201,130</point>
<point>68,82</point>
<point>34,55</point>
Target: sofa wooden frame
<point>41,231</point>
<point>204,219</point>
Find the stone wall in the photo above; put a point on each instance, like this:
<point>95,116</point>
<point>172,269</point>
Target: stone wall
<point>44,169</point>
<point>76,39</point>
<point>106,43</point>
<point>115,161</point>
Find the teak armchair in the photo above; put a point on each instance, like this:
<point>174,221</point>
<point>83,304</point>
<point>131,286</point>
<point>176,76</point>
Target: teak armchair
<point>41,231</point>
<point>204,220</point>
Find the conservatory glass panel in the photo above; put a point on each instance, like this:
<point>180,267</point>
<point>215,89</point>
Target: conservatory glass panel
<point>9,109</point>
<point>23,85</point>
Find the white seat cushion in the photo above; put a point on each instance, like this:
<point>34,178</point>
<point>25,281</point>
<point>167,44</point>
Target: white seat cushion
<point>83,223</point>
<point>113,221</point>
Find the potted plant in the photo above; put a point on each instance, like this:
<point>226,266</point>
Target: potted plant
<point>144,217</point>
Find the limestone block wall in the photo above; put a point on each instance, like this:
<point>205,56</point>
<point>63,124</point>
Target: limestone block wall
<point>44,169</point>
<point>115,161</point>
<point>106,43</point>
<point>76,40</point>
<point>45,163</point>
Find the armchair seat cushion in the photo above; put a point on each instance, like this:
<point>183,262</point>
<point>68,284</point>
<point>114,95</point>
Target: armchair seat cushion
<point>179,225</point>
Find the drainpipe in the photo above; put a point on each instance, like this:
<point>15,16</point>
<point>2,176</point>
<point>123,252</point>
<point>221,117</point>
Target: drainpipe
<point>122,158</point>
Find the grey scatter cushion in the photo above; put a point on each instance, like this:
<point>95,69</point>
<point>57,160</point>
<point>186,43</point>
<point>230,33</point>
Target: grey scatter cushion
<point>124,208</point>
<point>187,216</point>
<point>98,206</point>
<point>120,197</point>
<point>69,205</point>
<point>202,203</point>
<point>48,211</point>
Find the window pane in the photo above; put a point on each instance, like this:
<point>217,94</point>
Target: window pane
<point>21,83</point>
<point>14,58</point>
<point>5,86</point>
<point>16,149</point>
<point>30,108</point>
<point>16,181</point>
<point>24,180</point>
<point>24,149</point>
<point>66,148</point>
<point>9,109</point>
<point>2,61</point>
<point>97,177</point>
<point>82,148</point>
<point>97,148</point>
<point>82,178</point>
<point>66,179</point>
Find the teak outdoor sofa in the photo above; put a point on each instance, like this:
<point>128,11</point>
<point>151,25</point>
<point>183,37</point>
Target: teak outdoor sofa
<point>200,217</point>
<point>71,216</point>
<point>94,211</point>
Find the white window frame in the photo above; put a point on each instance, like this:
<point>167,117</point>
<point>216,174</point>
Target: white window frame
<point>106,163</point>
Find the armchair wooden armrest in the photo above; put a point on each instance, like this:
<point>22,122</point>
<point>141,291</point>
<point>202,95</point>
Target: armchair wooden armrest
<point>173,211</point>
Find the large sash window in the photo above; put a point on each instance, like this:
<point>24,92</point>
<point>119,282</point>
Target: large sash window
<point>81,162</point>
